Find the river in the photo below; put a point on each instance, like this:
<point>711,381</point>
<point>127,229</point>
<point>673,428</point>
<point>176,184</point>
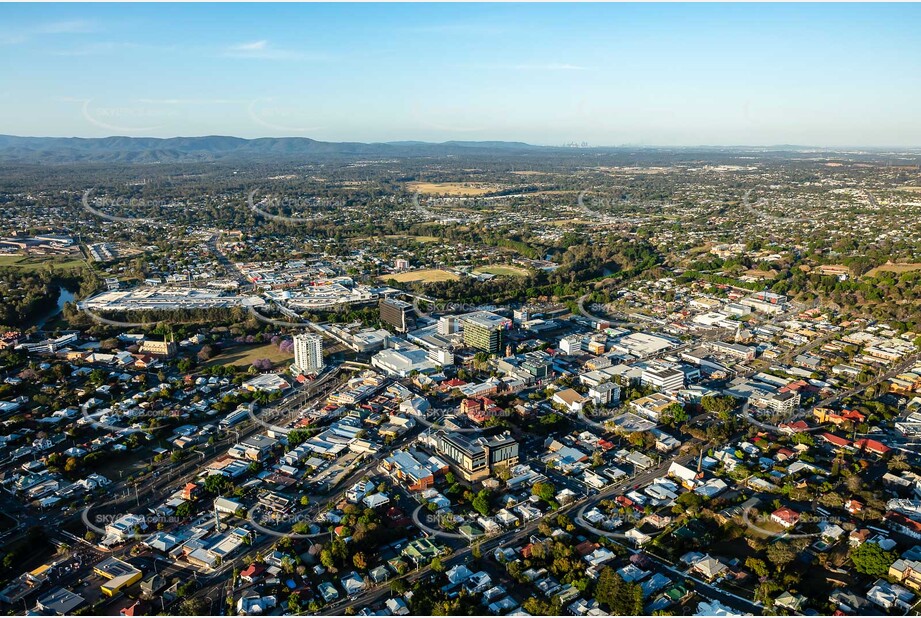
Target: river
<point>64,296</point>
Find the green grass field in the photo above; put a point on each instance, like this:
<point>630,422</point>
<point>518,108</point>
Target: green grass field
<point>894,268</point>
<point>502,270</point>
<point>425,274</point>
<point>245,355</point>
<point>422,239</point>
<point>36,263</point>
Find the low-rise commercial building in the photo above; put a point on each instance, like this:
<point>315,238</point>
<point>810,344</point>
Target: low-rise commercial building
<point>474,459</point>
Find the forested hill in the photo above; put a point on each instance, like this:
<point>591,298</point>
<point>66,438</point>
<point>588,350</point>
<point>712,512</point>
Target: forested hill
<point>214,148</point>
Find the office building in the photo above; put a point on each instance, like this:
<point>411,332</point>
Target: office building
<point>662,377</point>
<point>474,459</point>
<point>441,356</point>
<point>397,313</point>
<point>572,344</point>
<point>448,325</point>
<point>485,331</point>
<point>308,352</point>
<point>604,394</point>
<point>537,364</point>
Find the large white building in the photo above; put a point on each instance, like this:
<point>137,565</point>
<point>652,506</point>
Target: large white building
<point>571,345</point>
<point>308,352</point>
<point>662,377</point>
<point>403,359</point>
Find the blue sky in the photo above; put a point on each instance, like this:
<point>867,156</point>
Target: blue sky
<point>607,74</point>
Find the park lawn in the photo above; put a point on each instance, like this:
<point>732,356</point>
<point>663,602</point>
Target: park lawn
<point>244,355</point>
<point>427,275</point>
<point>416,238</point>
<point>419,239</point>
<point>894,268</point>
<point>460,189</point>
<point>504,270</point>
<point>562,222</point>
<point>34,263</point>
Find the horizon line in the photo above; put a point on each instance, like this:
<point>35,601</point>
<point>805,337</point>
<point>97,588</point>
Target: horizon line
<point>481,141</point>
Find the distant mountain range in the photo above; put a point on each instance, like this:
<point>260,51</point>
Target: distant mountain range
<point>222,148</point>
<point>152,150</point>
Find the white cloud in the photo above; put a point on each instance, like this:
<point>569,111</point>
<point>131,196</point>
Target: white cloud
<point>262,50</point>
<point>254,46</point>
<point>74,26</point>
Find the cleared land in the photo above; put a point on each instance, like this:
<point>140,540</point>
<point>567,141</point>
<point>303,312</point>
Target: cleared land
<point>416,238</point>
<point>562,222</point>
<point>419,239</point>
<point>894,268</point>
<point>244,355</point>
<point>761,274</point>
<point>502,270</point>
<point>452,188</point>
<point>37,262</point>
<point>425,274</point>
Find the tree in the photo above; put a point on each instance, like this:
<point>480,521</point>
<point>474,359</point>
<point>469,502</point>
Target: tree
<point>674,414</point>
<point>597,459</point>
<point>436,565</point>
<point>872,560</point>
<point>184,509</point>
<point>481,502</point>
<point>803,438</point>
<point>899,462</point>
<point>717,404</point>
<point>832,499</point>
<point>360,560</point>
<point>781,554</point>
<point>294,602</point>
<point>544,490</point>
<point>757,566</point>
<point>216,483</point>
<point>689,502</point>
<point>398,586</point>
<point>193,607</point>
<point>621,598</point>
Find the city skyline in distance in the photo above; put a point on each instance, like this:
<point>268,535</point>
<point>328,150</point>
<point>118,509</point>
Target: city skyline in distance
<point>608,75</point>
